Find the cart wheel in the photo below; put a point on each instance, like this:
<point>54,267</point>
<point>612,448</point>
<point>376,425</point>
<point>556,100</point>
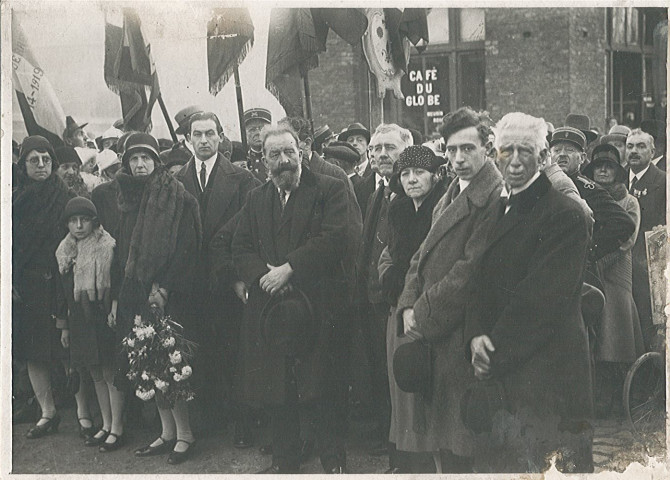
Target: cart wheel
<point>644,393</point>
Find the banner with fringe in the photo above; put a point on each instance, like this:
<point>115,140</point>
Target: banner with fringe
<point>230,36</point>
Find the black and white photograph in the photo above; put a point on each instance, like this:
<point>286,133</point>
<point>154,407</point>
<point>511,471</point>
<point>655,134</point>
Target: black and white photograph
<point>351,238</point>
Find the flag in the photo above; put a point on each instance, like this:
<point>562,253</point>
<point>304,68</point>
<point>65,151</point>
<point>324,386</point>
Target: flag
<point>409,24</point>
<point>230,36</point>
<point>296,37</point>
<point>41,110</point>
<point>130,71</point>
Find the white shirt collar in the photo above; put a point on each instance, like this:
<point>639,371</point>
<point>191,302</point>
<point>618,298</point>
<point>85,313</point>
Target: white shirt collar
<point>639,175</point>
<point>209,163</point>
<point>463,183</point>
<point>379,177</point>
<point>360,168</point>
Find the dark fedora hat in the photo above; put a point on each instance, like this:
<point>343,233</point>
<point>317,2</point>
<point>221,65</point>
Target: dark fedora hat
<point>569,134</point>
<point>262,114</point>
<point>479,404</point>
<point>354,129</point>
<point>605,153</point>
<point>582,123</point>
<point>71,127</point>
<point>342,151</point>
<point>288,324</point>
<point>183,118</point>
<point>416,156</point>
<point>413,367</point>
<point>616,133</point>
<point>323,134</point>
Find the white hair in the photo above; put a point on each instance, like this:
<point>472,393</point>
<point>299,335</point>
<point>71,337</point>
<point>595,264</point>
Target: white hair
<point>404,134</point>
<point>536,127</point>
<point>639,131</point>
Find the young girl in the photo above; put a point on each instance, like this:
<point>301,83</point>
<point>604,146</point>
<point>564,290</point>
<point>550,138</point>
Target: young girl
<point>84,262</point>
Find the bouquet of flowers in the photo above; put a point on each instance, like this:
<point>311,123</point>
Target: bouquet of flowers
<point>159,358</point>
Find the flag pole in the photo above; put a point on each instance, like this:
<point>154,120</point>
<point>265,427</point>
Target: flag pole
<point>308,103</point>
<point>240,108</point>
<point>167,118</point>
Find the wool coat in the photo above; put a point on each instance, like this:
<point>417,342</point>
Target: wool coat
<point>311,230</point>
<point>651,195</point>
<point>527,301</point>
<point>435,287</point>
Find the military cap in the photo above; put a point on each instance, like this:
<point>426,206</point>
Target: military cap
<point>568,134</point>
<point>262,114</point>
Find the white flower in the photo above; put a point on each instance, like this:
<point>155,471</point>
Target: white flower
<point>169,342</point>
<point>145,376</point>
<point>186,371</point>
<point>161,385</point>
<point>149,331</point>
<point>172,369</point>
<point>138,320</point>
<point>130,342</point>
<point>145,395</point>
<point>177,377</point>
<point>175,357</point>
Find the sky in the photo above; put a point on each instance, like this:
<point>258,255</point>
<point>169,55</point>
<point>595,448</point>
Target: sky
<point>67,39</point>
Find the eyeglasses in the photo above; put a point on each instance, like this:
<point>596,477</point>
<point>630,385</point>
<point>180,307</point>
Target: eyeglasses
<point>34,161</point>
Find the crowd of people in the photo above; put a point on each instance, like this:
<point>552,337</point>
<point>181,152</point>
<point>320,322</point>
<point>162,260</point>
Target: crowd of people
<point>497,277</point>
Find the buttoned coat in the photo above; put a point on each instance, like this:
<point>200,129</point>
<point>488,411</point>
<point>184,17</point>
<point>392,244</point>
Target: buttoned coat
<point>316,216</point>
<point>436,285</point>
<point>527,301</point>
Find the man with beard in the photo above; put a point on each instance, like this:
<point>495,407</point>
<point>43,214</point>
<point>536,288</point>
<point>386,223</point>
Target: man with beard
<point>254,121</point>
<point>388,141</point>
<point>68,171</point>
<point>646,182</point>
<point>289,249</point>
<point>221,189</point>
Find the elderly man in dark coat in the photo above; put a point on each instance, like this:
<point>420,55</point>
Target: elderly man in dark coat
<point>291,238</point>
<point>434,298</point>
<point>221,189</point>
<point>524,331</point>
<point>646,182</point>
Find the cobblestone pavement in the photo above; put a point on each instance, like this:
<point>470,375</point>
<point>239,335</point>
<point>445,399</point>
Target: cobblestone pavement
<point>614,448</point>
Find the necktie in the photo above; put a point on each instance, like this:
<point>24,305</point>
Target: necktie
<point>632,184</point>
<point>510,202</point>
<point>282,199</point>
<point>203,176</point>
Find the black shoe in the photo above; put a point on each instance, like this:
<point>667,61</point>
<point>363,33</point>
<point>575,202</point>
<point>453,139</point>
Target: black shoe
<point>242,437</point>
<point>111,447</point>
<point>275,470</point>
<point>266,449</point>
<point>96,441</point>
<point>86,432</point>
<point>339,470</point>
<point>149,451</point>
<point>175,458</point>
<point>51,426</point>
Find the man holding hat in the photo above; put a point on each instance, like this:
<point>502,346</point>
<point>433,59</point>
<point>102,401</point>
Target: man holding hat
<point>291,238</point>
<point>254,121</point>
<point>221,189</point>
<point>612,225</point>
<point>358,136</point>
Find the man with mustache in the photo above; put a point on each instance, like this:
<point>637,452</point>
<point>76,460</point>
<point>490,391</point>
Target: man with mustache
<point>254,121</point>
<point>612,225</point>
<point>289,249</point>
<point>646,182</point>
<point>387,142</point>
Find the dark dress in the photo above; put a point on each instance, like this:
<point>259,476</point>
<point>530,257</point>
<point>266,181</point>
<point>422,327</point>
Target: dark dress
<point>36,232</point>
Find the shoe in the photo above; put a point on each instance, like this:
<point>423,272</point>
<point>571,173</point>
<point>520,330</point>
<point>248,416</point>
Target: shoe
<point>149,451</point>
<point>94,442</point>
<point>266,449</point>
<point>275,470</point>
<point>51,426</point>
<point>242,437</point>
<point>111,447</point>
<point>86,432</point>
<point>175,458</point>
<point>339,470</point>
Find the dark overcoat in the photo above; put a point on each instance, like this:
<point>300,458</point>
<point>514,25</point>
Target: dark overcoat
<point>436,286</point>
<point>527,300</point>
<point>315,216</point>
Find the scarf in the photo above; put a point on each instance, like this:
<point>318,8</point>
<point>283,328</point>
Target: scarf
<point>159,199</point>
<point>91,262</point>
<point>37,208</point>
